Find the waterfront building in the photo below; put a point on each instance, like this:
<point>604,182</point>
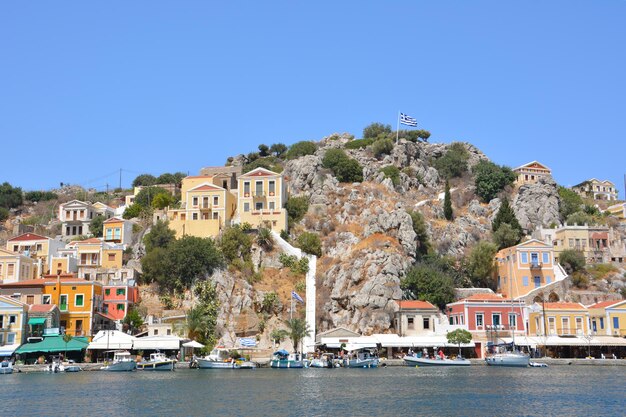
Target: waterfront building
<point>43,319</point>
<point>560,319</point>
<point>416,318</point>
<point>261,199</point>
<point>40,248</point>
<point>525,267</point>
<point>76,216</point>
<point>608,318</point>
<point>13,319</point>
<point>596,189</point>
<point>119,297</point>
<point>16,267</point>
<point>531,172</point>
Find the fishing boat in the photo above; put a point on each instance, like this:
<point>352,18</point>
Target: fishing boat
<point>6,367</point>
<point>362,358</point>
<point>219,358</point>
<point>419,361</point>
<point>327,360</point>
<point>157,362</point>
<point>122,361</point>
<point>283,359</point>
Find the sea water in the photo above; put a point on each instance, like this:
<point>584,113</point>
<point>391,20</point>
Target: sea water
<point>392,391</point>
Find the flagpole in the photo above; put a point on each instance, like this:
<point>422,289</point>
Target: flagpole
<point>291,310</point>
<point>398,127</point>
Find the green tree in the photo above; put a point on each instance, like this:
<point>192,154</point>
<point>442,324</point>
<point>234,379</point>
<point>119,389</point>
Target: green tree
<point>506,236</point>
<point>572,261</point>
<point>481,264</point>
<point>414,135</point>
<point>146,196</point>
<point>10,197</point>
<point>569,202</point>
<point>300,149</point>
<point>298,330</point>
<point>333,158</point>
<point>235,244</point>
<point>310,243</point>
<point>278,149</point>
<point>144,180</point>
<point>459,337</point>
<point>454,162</point>
<point>350,171</point>
<point>506,215</point>
<point>278,335</point>
<point>133,320</point>
<point>296,208</point>
<point>155,266</point>
<point>447,203</point>
<point>162,200</point>
<point>160,236</point>
<point>40,196</point>
<point>4,214</point>
<point>96,226</point>
<point>132,211</point>
<point>382,147</point>
<point>421,231</point>
<point>376,130</point>
<point>490,179</point>
<point>264,150</point>
<point>427,281</point>
<point>67,338</point>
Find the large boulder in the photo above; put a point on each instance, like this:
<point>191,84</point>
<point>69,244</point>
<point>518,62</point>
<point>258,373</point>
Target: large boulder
<point>537,205</point>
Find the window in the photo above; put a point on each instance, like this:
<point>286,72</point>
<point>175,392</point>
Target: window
<point>615,323</point>
<point>546,257</point>
<point>426,321</point>
<point>216,200</point>
<point>111,257</point>
<point>16,248</point>
<point>496,319</point>
<point>246,189</point>
<point>571,243</point>
<point>156,332</point>
<point>272,205</point>
<point>12,319</point>
<point>10,338</point>
<point>537,282</point>
<point>579,325</point>
<point>512,321</point>
<point>565,325</point>
<point>118,233</point>
<point>194,216</point>
<point>246,207</point>
<point>552,325</point>
<point>120,291</point>
<point>1,269</point>
<point>594,326</point>
<point>1,323</point>
<point>79,300</point>
<point>525,281</point>
<point>169,332</point>
<point>109,234</point>
<point>105,308</point>
<point>10,270</point>
<point>548,279</point>
<point>107,291</point>
<point>46,299</point>
<point>272,187</point>
<point>63,302</point>
<point>79,327</point>
<point>194,201</point>
<point>601,322</point>
<point>258,206</point>
<point>534,259</point>
<point>120,307</point>
<point>480,320</point>
<point>258,188</point>
<point>524,256</point>
<point>30,299</point>
<point>410,323</point>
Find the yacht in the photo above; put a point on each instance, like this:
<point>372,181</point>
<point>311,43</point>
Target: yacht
<point>122,361</point>
<point>157,362</point>
<point>219,358</point>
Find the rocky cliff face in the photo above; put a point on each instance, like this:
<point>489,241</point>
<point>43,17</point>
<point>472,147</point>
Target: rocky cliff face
<point>537,204</point>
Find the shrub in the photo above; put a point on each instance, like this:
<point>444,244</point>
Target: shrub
<point>310,243</point>
<point>344,168</point>
<point>132,211</point>
<point>235,244</point>
<point>454,162</point>
<point>40,196</point>
<point>490,179</point>
<point>162,200</point>
<point>300,149</point>
<point>333,158</point>
<point>359,143</point>
<point>270,162</point>
<point>4,214</point>
<point>580,218</point>
<point>392,172</point>
<point>506,236</point>
<point>414,135</point>
<point>429,282</point>
<point>300,286</point>
<point>569,202</point>
<point>284,235</point>
<point>375,130</point>
<point>421,231</point>
<point>506,215</point>
<point>278,149</point>
<point>10,197</point>
<point>270,302</point>
<point>296,208</point>
<point>382,147</point>
<point>572,261</point>
<point>264,238</point>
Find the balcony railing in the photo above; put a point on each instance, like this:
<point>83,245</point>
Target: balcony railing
<point>258,194</point>
<point>535,265</point>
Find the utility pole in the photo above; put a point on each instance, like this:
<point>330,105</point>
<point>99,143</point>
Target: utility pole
<point>107,188</point>
<point>120,178</point>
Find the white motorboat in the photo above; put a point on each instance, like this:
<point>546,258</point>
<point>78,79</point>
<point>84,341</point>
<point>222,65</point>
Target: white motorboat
<point>219,358</point>
<point>71,366</point>
<point>362,358</point>
<point>122,361</point>
<point>6,367</point>
<point>157,362</point>
<point>327,360</point>
<point>418,361</point>
<point>514,359</point>
<point>55,365</point>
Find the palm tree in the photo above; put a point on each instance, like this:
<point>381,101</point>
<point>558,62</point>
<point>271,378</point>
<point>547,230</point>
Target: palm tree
<point>66,338</point>
<point>196,324</point>
<point>264,238</point>
<point>298,330</point>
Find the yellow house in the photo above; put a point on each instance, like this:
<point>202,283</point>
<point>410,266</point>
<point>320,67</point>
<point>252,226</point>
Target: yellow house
<point>261,201</point>
<point>206,207</point>
<point>40,248</point>
<point>609,318</point>
<point>16,267</point>
<point>561,319</point>
<point>532,172</point>
<point>93,255</point>
<point>13,321</point>
<point>597,189</point>
<point>117,230</point>
<point>524,267</point>
<point>618,210</point>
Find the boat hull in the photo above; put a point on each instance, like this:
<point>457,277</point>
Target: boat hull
<point>120,366</point>
<point>73,368</point>
<point>207,364</point>
<point>357,363</point>
<point>6,371</point>
<point>414,361</point>
<point>156,366</point>
<point>510,360</point>
<point>285,364</point>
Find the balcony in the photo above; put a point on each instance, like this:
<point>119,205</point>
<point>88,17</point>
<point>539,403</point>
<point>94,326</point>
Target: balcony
<point>258,194</point>
<point>535,265</point>
<point>205,207</point>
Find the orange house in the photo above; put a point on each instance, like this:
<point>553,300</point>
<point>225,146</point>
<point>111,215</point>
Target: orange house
<point>118,299</point>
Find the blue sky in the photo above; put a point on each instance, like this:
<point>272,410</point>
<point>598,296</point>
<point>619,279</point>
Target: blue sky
<point>87,88</point>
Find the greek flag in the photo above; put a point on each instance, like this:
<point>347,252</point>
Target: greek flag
<point>296,296</point>
<point>247,341</point>
<point>407,120</point>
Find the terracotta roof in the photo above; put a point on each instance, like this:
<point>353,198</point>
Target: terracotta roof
<point>113,219</point>
<point>412,304</point>
<point>28,236</point>
<point>604,304</point>
<point>564,306</point>
<point>41,308</point>
<point>197,176</point>
<point>105,315</point>
<point>484,297</point>
<point>90,240</point>
<point>206,187</point>
<point>259,172</point>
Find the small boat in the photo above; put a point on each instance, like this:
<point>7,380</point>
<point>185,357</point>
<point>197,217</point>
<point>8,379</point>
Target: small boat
<point>512,359</point>
<point>6,367</point>
<point>71,366</point>
<point>55,366</point>
<point>284,360</point>
<point>417,361</point>
<point>157,362</point>
<point>219,358</point>
<point>245,364</point>
<point>538,365</point>
<point>327,360</point>
<point>122,361</point>
<point>363,358</point>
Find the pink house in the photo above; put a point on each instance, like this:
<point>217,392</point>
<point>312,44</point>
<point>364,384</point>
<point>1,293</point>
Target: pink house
<point>118,299</point>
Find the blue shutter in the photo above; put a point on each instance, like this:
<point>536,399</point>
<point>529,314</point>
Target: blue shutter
<point>524,257</point>
<point>537,282</point>
<point>615,323</point>
<point>525,281</point>
<point>546,257</point>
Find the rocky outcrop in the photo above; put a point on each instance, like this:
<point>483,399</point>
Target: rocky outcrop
<point>537,205</point>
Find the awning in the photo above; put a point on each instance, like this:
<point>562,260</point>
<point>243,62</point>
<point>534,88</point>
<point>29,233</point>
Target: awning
<point>351,343</point>
<point>567,341</point>
<point>52,344</point>
<point>7,350</point>
<point>193,344</point>
<point>36,320</point>
<point>157,343</point>
<point>111,339</point>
